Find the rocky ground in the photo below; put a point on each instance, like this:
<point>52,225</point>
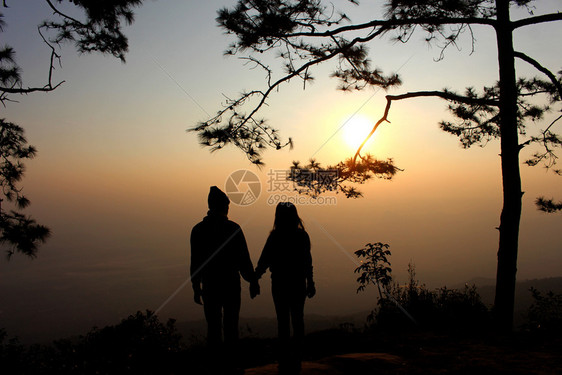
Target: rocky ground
<point>515,355</point>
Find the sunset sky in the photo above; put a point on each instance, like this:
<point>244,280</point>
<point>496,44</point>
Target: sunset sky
<point>121,183</point>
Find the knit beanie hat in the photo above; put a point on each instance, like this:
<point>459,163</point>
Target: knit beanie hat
<point>217,199</point>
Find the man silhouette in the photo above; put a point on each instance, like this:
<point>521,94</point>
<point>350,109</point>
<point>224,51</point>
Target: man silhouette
<point>219,255</point>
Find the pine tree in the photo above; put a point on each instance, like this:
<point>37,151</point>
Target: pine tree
<point>308,33</point>
<point>99,29</point>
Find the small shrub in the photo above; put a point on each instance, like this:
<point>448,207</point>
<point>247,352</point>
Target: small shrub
<point>139,344</point>
<point>545,314</point>
<point>413,305</point>
<point>443,309</point>
<point>12,353</point>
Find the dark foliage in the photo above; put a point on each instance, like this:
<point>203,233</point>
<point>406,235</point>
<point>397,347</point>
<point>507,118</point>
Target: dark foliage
<point>266,26</point>
<point>101,28</point>
<point>250,135</point>
<point>18,232</point>
<point>413,306</point>
<point>308,33</point>
<point>314,180</point>
<point>12,353</point>
<point>375,267</point>
<point>441,310</point>
<point>140,344</point>
<point>548,205</point>
<point>304,34</point>
<point>98,29</point>
<point>9,71</point>
<point>545,314</point>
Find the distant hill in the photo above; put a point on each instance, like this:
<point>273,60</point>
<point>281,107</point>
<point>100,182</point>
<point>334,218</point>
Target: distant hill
<point>523,298</point>
<point>487,288</point>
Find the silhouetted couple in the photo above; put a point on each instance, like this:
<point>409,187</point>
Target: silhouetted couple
<point>219,255</point>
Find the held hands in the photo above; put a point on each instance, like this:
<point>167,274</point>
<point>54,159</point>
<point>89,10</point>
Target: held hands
<point>310,289</point>
<point>197,294</point>
<point>254,289</point>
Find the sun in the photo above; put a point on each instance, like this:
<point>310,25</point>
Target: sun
<point>356,129</point>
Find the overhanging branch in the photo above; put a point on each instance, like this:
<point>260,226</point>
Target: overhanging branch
<point>304,67</point>
<point>445,95</point>
<point>54,56</point>
<point>439,94</point>
<point>392,23</point>
<point>56,11</point>
<point>12,90</point>
<point>542,69</point>
<point>538,19</point>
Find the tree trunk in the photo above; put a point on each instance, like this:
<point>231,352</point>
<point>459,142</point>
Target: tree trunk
<point>511,179</point>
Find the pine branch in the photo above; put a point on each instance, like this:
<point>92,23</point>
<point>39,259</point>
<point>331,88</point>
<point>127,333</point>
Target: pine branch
<point>542,69</point>
<point>445,95</point>
<point>47,88</point>
<point>536,20</point>
<point>548,205</point>
<point>56,11</point>
<point>394,23</point>
<point>440,94</point>
<point>307,65</point>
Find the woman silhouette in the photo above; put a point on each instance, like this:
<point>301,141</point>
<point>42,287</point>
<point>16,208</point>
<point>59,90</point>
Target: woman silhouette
<point>287,255</point>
